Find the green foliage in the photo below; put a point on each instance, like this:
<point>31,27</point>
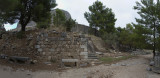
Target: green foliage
<point>134,37</point>
<point>100,17</point>
<point>69,24</point>
<point>59,18</point>
<point>25,10</point>
<point>113,59</point>
<point>150,17</point>
<point>111,39</point>
<point>44,23</point>
<point>6,14</point>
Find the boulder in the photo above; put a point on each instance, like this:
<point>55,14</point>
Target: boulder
<point>18,59</point>
<point>3,56</point>
<point>151,63</point>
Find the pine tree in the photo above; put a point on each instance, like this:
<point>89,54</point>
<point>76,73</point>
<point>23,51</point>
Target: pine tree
<point>26,10</point>
<point>149,13</point>
<point>100,17</point>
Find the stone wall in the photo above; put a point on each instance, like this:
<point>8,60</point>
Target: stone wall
<point>58,46</point>
<point>81,29</point>
<point>48,46</point>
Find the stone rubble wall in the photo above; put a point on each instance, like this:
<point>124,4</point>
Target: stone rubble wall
<point>57,46</point>
<point>47,46</point>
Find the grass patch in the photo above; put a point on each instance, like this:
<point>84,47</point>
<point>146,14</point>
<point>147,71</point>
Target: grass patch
<point>114,59</point>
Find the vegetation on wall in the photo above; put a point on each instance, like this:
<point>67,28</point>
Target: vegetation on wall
<point>60,19</point>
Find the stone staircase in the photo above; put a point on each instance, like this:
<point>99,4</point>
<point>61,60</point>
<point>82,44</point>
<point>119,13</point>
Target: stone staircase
<point>92,56</point>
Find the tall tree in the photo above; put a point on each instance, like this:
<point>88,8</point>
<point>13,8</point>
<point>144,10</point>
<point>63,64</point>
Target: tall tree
<point>149,13</point>
<point>69,24</point>
<point>5,12</point>
<point>100,17</point>
<point>26,10</point>
<point>59,17</point>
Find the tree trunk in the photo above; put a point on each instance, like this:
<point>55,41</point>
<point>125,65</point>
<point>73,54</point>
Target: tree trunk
<point>154,41</point>
<point>95,32</point>
<point>23,27</point>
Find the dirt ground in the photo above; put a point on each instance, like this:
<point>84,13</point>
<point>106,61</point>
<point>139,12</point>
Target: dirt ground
<point>131,68</point>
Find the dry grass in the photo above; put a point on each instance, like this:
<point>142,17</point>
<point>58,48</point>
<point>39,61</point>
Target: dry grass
<point>114,59</point>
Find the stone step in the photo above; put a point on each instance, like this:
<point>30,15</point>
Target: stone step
<point>92,57</point>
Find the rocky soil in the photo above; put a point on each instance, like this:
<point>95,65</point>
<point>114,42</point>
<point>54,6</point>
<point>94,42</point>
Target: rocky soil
<point>131,68</point>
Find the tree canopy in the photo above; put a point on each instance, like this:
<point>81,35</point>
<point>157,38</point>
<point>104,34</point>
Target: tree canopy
<point>149,13</point>
<point>26,10</point>
<point>100,17</point>
<point>59,17</point>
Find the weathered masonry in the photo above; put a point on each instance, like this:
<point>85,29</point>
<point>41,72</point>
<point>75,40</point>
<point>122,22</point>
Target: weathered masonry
<point>63,48</point>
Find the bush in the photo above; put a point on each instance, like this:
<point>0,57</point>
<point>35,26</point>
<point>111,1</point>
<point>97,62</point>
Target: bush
<point>69,24</point>
<point>43,25</point>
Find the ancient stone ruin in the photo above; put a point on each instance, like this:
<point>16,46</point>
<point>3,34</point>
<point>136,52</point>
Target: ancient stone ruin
<point>64,48</point>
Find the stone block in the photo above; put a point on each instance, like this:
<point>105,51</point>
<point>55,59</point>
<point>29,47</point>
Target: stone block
<point>52,50</point>
<point>84,53</point>
<point>19,59</point>
<point>40,50</point>
<point>3,56</point>
<point>37,46</point>
<point>62,39</point>
<point>69,60</point>
<point>82,36</point>
<point>49,58</point>
<point>45,35</point>
<point>64,34</point>
<point>44,53</point>
<point>46,40</point>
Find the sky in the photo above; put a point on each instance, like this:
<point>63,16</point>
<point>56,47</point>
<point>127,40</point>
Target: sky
<point>123,9</point>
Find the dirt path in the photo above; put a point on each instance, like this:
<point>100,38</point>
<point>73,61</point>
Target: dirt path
<point>135,68</point>
<point>131,68</point>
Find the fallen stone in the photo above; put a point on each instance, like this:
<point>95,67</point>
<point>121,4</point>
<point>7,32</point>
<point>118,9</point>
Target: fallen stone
<point>3,56</point>
<point>149,69</point>
<point>39,50</point>
<point>82,36</point>
<point>45,35</point>
<point>123,65</point>
<point>34,61</point>
<point>19,59</point>
<point>47,63</point>
<point>106,64</point>
<point>64,34</point>
<point>83,65</point>
<point>156,70</point>
<point>151,63</point>
<point>37,46</point>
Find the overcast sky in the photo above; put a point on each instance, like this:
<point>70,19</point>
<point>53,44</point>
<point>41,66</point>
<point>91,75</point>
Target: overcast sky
<point>123,10</point>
